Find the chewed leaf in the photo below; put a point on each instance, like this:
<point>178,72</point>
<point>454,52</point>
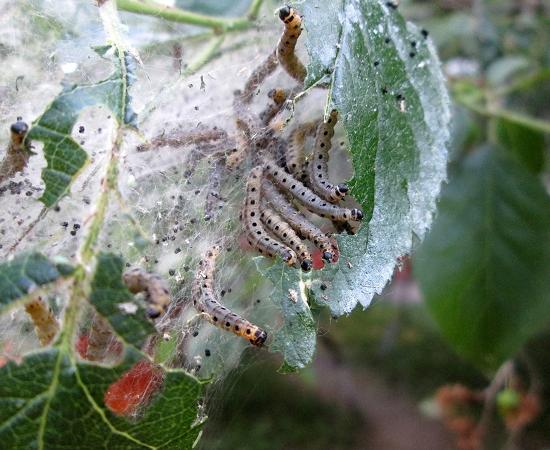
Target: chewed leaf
<point>111,298</point>
<point>39,397</point>
<point>484,266</point>
<point>387,85</point>
<point>64,156</point>
<point>296,338</point>
<point>26,273</point>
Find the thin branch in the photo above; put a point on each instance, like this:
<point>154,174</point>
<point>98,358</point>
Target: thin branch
<point>252,13</point>
<point>150,8</point>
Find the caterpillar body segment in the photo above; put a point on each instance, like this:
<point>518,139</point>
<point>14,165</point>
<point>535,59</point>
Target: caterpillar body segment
<point>307,197</point>
<point>157,292</point>
<point>297,221</point>
<point>318,166</point>
<point>205,302</point>
<point>278,97</point>
<point>287,43</point>
<point>258,76</point>
<point>45,323</point>
<point>257,236</point>
<point>296,156</point>
<point>287,235</point>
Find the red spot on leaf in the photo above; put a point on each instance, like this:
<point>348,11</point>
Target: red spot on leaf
<point>133,388</point>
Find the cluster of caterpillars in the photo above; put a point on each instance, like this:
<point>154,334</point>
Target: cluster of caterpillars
<point>284,178</point>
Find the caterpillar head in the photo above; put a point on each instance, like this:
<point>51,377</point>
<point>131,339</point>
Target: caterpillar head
<point>306,265</point>
<point>284,12</point>
<point>154,311</point>
<point>342,189</point>
<point>327,256</point>
<point>19,131</point>
<point>260,336</point>
<point>356,214</point>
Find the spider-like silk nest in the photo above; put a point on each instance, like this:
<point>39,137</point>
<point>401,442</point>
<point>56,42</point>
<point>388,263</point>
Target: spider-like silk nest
<point>160,223</point>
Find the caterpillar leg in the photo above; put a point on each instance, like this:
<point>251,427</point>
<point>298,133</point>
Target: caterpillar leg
<point>205,301</point>
<point>286,234</point>
<point>287,43</point>
<point>157,292</point>
<point>45,323</point>
<point>295,158</point>
<point>318,166</point>
<point>307,197</point>
<point>257,236</point>
<point>297,221</point>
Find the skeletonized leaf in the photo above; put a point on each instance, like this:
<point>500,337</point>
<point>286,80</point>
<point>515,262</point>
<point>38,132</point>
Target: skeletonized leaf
<point>25,273</point>
<point>484,266</point>
<point>50,392</point>
<point>116,303</point>
<point>387,85</point>
<point>64,156</point>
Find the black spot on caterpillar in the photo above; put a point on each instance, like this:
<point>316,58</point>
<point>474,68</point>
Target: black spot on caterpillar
<point>318,168</point>
<point>205,302</point>
<point>256,233</point>
<point>295,158</point>
<point>45,323</point>
<point>286,234</point>
<point>287,43</point>
<point>156,289</point>
<point>308,198</point>
<point>297,221</point>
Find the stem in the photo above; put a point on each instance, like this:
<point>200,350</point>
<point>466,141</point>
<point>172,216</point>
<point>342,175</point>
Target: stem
<point>151,8</point>
<point>205,56</point>
<point>252,13</point>
<point>521,119</point>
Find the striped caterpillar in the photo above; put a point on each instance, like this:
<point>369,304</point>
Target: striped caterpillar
<point>206,303</point>
<point>295,158</point>
<point>287,43</point>
<point>157,292</point>
<point>286,234</point>
<point>45,323</point>
<point>256,233</point>
<point>318,169</point>
<point>297,221</point>
<point>308,198</point>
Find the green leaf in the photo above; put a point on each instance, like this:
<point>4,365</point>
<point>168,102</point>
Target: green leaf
<point>296,338</point>
<point>524,143</point>
<point>26,273</point>
<point>51,401</point>
<point>64,156</point>
<point>484,266</point>
<point>111,299</point>
<point>386,82</point>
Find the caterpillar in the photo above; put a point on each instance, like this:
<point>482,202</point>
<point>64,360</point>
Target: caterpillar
<point>157,292</point>
<point>45,323</point>
<point>279,97</point>
<point>308,198</point>
<point>256,233</point>
<point>287,43</point>
<point>318,169</point>
<point>180,138</point>
<point>297,221</point>
<point>258,76</point>
<point>205,302</point>
<point>286,234</point>
<point>295,158</point>
<point>18,153</point>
